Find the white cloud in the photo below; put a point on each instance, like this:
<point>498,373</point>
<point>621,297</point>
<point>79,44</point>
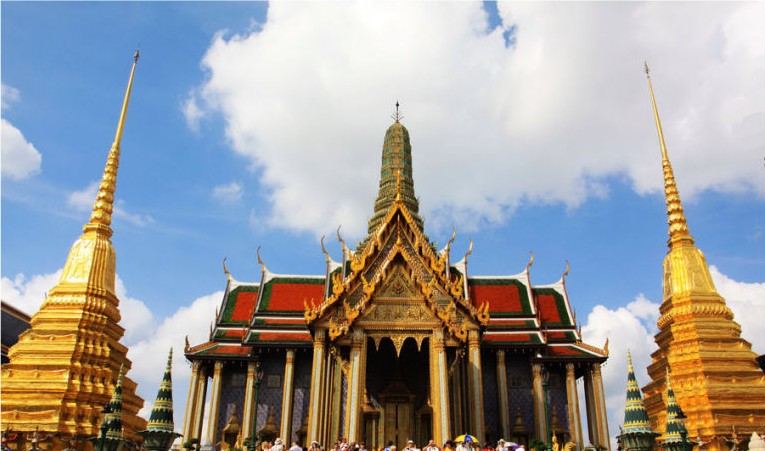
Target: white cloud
<point>83,201</point>
<point>9,95</point>
<point>28,294</point>
<point>20,158</point>
<point>631,327</point>
<point>306,97</point>
<point>149,355</point>
<point>747,301</point>
<point>229,193</point>
<point>193,113</point>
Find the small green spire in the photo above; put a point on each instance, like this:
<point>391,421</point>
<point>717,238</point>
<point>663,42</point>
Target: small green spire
<point>161,418</point>
<point>675,426</point>
<point>635,414</point>
<point>114,417</point>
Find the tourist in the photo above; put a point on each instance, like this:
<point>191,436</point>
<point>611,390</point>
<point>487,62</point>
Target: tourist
<point>295,446</point>
<point>362,447</point>
<point>278,445</point>
<point>390,444</point>
<point>410,446</point>
<point>315,446</point>
<point>431,446</point>
<point>449,446</point>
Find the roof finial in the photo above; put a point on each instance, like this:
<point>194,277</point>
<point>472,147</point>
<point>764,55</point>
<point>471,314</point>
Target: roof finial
<point>531,260</point>
<point>101,218</point>
<point>678,227</point>
<point>260,261</point>
<point>225,271</point>
<point>397,116</point>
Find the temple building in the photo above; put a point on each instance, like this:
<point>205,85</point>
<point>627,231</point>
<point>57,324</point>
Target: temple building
<point>63,369</point>
<point>395,341</point>
<point>717,381</point>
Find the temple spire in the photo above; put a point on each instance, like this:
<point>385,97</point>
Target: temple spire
<point>161,418</point>
<point>678,226</point>
<point>101,218</point>
<point>396,180</point>
<point>635,415</point>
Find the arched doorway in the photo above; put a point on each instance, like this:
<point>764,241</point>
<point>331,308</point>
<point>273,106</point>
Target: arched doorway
<point>397,387</point>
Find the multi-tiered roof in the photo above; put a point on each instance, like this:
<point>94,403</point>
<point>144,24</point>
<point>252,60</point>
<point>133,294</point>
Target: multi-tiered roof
<point>278,310</point>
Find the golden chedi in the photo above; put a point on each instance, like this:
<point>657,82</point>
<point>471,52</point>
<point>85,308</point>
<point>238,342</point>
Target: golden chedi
<point>717,381</point>
<point>64,368</point>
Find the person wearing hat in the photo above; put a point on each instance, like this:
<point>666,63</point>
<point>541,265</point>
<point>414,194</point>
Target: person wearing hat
<point>315,446</point>
<point>410,446</point>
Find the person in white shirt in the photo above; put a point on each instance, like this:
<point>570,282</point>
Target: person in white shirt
<point>410,446</point>
<point>295,446</point>
<point>431,446</point>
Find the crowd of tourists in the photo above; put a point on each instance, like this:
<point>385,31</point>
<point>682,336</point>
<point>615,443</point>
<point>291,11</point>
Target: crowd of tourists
<point>343,445</point>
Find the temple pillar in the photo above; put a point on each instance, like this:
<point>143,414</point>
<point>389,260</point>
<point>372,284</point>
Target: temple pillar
<point>574,419</point>
<point>589,400</point>
<point>212,417</point>
<point>504,419</point>
<point>289,376</point>
<point>355,386</point>
<point>540,403</point>
<point>199,417</point>
<point>317,385</point>
<point>336,393</point>
<point>476,384</point>
<point>191,402</point>
<point>440,388</point>
<point>249,398</point>
<point>600,406</point>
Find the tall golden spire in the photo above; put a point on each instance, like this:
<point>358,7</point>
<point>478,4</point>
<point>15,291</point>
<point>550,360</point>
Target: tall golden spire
<point>101,218</point>
<point>697,338</point>
<point>678,227</point>
<point>64,367</point>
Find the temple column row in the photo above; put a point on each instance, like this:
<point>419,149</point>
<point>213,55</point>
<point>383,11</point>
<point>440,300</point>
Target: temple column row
<point>249,399</point>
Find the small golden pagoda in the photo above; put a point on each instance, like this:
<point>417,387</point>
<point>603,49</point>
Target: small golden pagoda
<point>64,369</point>
<point>717,381</point>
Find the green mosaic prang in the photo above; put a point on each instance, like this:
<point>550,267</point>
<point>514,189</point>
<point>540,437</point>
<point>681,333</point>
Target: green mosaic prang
<point>161,418</point>
<point>635,415</point>
<point>113,419</point>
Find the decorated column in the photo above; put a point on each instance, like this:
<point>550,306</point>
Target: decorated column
<point>289,377</point>
<point>476,384</point>
<point>317,382</point>
<point>355,385</point>
<point>188,418</point>
<point>249,397</point>
<point>574,419</point>
<point>212,417</point>
<point>200,404</point>
<point>600,407</point>
<point>439,388</point>
<point>589,400</point>
<point>504,420</point>
<point>540,403</point>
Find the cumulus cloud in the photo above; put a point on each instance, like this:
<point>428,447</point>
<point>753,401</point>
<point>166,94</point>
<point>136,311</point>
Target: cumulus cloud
<point>28,294</point>
<point>20,158</point>
<point>83,200</point>
<point>150,354</point>
<point>229,193</point>
<point>747,301</point>
<point>306,97</point>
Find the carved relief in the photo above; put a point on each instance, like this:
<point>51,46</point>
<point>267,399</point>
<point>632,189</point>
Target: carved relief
<point>397,313</point>
<point>398,286</point>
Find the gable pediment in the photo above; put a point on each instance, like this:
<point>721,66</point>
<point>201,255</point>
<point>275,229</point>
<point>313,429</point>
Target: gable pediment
<point>397,264</point>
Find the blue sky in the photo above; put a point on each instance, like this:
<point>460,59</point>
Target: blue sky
<point>262,125</point>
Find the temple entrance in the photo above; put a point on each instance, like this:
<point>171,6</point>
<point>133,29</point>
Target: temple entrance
<point>397,386</point>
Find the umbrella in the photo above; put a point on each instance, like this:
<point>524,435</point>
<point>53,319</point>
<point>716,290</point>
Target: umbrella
<point>467,438</point>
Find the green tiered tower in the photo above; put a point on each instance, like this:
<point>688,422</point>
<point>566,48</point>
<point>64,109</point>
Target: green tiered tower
<point>160,434</point>
<point>637,433</point>
<point>111,438</point>
<point>676,435</point>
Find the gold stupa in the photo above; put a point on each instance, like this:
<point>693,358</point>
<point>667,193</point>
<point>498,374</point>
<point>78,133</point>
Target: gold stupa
<point>64,369</point>
<point>717,381</point>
